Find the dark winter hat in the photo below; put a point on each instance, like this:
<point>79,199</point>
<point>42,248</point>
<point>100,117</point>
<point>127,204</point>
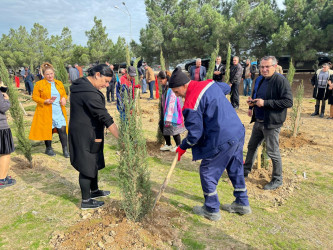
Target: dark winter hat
<point>131,71</point>
<point>178,78</point>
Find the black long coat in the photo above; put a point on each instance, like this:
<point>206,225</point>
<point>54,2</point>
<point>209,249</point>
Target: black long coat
<point>88,118</point>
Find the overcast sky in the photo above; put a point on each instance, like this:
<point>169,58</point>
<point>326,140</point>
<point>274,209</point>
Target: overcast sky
<point>77,15</point>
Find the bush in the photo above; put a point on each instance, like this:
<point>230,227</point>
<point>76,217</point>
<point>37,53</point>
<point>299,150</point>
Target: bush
<point>133,175</point>
<point>227,67</point>
<point>296,110</point>
<point>16,112</point>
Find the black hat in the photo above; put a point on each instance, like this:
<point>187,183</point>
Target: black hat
<point>131,71</point>
<point>178,78</point>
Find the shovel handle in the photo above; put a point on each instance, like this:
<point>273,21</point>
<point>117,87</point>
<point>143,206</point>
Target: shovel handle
<point>166,181</point>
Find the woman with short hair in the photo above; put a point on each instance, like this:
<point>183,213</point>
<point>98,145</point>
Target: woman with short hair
<point>88,118</point>
<point>50,114</point>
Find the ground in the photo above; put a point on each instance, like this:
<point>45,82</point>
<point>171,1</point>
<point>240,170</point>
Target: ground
<point>42,209</point>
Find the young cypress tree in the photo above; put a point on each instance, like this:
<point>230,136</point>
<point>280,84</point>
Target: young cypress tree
<point>61,74</point>
<point>213,56</point>
<point>133,174</point>
<point>16,113</point>
<point>291,72</point>
<point>227,67</point>
<point>159,135</point>
<point>296,110</point>
<point>128,57</point>
<point>162,61</point>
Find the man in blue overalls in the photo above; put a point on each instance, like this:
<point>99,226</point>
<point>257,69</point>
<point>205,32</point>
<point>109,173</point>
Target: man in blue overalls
<point>216,135</point>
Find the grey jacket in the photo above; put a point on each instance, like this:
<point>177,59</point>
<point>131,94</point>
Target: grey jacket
<point>4,106</point>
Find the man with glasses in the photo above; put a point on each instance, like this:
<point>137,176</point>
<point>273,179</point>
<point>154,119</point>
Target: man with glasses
<point>268,108</point>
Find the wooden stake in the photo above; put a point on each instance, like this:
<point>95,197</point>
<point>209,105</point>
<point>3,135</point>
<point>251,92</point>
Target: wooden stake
<point>165,183</point>
<point>25,113</point>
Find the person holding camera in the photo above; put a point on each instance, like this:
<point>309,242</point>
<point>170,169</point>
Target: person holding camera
<point>6,141</point>
<point>50,115</point>
<point>268,108</point>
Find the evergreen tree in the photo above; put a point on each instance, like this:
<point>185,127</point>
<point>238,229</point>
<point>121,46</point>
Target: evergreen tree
<point>296,110</point>
<point>227,67</point>
<point>133,174</point>
<point>215,52</point>
<point>128,57</point>
<point>61,74</point>
<point>16,113</point>
<point>162,61</point>
<point>291,72</point>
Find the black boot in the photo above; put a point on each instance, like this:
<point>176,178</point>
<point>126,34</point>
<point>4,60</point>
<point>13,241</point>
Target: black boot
<point>65,152</point>
<point>316,111</point>
<point>322,111</point>
<point>49,151</point>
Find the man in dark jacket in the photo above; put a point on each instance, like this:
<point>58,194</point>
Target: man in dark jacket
<point>111,87</point>
<point>216,135</point>
<point>270,99</point>
<point>219,70</point>
<point>236,72</point>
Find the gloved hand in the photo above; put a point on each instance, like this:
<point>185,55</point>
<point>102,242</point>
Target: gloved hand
<point>180,152</point>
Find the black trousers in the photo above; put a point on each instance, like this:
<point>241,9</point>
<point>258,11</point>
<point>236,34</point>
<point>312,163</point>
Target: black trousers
<point>110,90</point>
<point>168,139</point>
<point>87,184</point>
<point>234,97</point>
<point>62,136</point>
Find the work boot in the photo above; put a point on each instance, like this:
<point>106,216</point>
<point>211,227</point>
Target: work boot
<point>49,151</point>
<point>274,184</point>
<point>322,111</point>
<point>91,204</point>
<point>202,211</point>
<point>236,208</point>
<point>65,152</point>
<point>316,111</point>
<point>99,193</point>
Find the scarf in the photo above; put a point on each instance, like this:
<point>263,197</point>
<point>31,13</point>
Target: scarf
<point>173,111</point>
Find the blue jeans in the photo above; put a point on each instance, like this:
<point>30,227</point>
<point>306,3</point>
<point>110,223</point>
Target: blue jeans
<point>144,86</point>
<point>29,86</point>
<point>247,83</point>
<point>151,89</point>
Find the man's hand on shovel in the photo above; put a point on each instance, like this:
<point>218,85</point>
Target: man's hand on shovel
<point>180,152</point>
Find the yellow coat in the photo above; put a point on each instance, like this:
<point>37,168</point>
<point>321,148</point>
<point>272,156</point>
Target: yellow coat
<point>41,127</point>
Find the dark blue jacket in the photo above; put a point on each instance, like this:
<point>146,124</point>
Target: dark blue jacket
<point>211,121</point>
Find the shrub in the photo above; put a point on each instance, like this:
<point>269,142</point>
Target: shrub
<point>227,67</point>
<point>133,175</point>
<point>296,110</point>
<point>291,72</point>
<point>213,56</point>
<point>16,113</point>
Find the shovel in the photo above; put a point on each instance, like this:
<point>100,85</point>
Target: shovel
<point>165,183</point>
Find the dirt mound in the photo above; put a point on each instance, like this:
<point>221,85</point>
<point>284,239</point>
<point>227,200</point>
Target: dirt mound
<point>288,142</point>
<point>258,178</point>
<point>108,228</point>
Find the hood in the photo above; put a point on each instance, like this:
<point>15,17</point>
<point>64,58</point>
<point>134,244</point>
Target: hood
<point>82,85</point>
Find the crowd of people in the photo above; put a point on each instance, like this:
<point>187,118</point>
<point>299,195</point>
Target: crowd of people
<point>188,102</point>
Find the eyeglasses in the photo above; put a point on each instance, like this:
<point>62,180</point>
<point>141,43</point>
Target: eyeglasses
<point>267,67</point>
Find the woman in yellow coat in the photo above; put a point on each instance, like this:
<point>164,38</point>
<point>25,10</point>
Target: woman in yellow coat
<point>50,114</point>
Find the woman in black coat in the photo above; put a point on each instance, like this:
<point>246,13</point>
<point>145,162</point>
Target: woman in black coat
<point>321,91</point>
<point>88,118</point>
